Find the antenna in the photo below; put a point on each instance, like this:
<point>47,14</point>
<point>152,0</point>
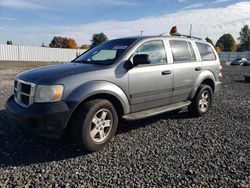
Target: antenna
<point>141,33</point>
<point>191,27</point>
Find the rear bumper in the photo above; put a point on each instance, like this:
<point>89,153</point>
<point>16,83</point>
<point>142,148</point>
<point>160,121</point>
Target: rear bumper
<point>217,87</point>
<point>48,120</point>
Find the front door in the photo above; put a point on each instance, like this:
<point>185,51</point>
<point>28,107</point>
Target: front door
<point>150,85</point>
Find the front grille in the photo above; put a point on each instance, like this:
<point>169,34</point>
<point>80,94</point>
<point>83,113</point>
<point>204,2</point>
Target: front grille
<point>24,92</point>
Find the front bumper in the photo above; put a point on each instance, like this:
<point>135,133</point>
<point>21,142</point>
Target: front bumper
<point>48,120</point>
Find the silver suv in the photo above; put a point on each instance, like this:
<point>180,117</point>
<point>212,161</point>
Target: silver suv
<point>129,78</point>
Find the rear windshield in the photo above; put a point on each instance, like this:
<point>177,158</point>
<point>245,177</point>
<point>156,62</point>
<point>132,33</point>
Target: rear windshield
<point>106,53</point>
<point>206,52</point>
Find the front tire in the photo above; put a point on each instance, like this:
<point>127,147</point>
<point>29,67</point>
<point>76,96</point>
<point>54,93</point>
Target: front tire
<point>94,124</point>
<point>202,101</point>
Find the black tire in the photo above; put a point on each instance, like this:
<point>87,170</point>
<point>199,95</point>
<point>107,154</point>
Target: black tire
<point>196,108</point>
<point>82,124</point>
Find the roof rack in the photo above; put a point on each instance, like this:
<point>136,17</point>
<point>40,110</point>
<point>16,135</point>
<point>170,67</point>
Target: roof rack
<point>180,35</point>
<point>163,34</point>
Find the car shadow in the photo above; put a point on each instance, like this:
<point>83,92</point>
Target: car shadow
<point>21,148</point>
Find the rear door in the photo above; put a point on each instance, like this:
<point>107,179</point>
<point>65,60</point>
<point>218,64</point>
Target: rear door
<point>186,68</point>
<point>151,85</point>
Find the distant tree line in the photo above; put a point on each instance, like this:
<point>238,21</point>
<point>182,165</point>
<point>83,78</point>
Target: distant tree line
<point>63,42</point>
<point>227,43</point>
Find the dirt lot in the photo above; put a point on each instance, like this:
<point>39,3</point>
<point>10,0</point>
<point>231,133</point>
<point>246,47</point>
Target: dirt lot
<point>166,150</point>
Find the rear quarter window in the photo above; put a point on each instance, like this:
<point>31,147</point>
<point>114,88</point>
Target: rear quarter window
<point>206,52</point>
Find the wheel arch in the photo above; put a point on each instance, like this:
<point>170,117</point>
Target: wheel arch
<point>207,78</point>
<point>101,90</point>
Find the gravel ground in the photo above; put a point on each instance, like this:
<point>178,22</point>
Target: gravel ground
<point>167,150</point>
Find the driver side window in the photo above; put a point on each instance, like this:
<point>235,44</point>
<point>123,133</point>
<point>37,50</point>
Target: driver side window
<point>155,50</point>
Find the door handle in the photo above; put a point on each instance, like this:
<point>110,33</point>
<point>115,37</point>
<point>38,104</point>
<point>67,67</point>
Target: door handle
<point>166,72</point>
<point>198,69</point>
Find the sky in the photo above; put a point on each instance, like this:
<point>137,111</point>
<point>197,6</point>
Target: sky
<point>33,22</point>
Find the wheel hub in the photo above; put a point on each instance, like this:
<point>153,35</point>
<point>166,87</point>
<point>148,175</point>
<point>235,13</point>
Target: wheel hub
<point>101,125</point>
<point>204,101</point>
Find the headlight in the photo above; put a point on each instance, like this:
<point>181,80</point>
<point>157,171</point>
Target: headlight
<point>52,93</point>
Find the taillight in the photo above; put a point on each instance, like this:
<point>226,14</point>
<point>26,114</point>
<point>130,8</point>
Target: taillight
<point>221,73</point>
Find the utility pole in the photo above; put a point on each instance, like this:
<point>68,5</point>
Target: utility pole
<point>191,27</point>
<point>141,33</point>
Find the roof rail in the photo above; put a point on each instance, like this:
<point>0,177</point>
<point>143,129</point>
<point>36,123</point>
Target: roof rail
<point>189,36</point>
<point>180,35</point>
<point>163,34</point>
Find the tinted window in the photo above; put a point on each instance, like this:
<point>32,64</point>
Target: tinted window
<point>106,53</point>
<point>206,52</point>
<point>155,50</point>
<point>182,51</point>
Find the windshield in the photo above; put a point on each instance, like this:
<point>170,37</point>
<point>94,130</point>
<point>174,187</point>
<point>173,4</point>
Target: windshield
<point>105,53</point>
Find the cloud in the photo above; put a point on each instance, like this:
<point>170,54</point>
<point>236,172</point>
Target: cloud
<point>53,5</point>
<point>182,1</point>
<point>207,22</point>
<point>195,6</point>
<point>220,1</point>
<point>212,22</point>
<point>7,19</point>
<point>20,4</point>
<point>119,2</point>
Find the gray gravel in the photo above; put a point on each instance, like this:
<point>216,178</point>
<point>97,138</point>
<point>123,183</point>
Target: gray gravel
<point>167,150</point>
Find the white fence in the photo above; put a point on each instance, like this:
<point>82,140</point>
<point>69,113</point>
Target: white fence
<point>230,56</point>
<point>31,53</point>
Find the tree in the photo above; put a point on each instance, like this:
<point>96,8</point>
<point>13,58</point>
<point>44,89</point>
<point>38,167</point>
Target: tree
<point>98,39</point>
<point>210,41</point>
<point>217,49</point>
<point>220,47</point>
<point>71,43</point>
<point>58,42</point>
<point>9,42</point>
<point>244,39</point>
<point>84,46</point>
<point>228,42</point>
<point>63,42</point>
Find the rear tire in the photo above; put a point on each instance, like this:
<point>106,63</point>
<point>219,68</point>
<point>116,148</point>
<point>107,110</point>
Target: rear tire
<point>94,124</point>
<point>202,101</point>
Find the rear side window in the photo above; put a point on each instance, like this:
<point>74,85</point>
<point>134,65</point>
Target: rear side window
<point>155,50</point>
<point>206,52</point>
<point>182,51</point>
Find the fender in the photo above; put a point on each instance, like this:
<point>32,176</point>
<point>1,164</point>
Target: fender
<point>203,76</point>
<point>91,88</point>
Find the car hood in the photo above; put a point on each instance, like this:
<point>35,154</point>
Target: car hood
<point>53,73</point>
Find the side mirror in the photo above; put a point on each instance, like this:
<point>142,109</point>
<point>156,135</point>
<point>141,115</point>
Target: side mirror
<point>141,59</point>
<point>128,65</point>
